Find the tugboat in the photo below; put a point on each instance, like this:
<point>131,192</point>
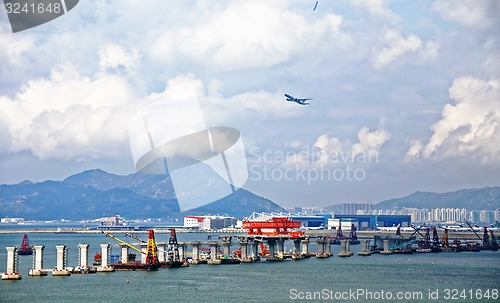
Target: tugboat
<point>26,248</point>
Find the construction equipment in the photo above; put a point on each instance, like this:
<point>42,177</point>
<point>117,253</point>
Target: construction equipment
<point>123,242</point>
<point>276,226</point>
<point>151,255</point>
<point>263,249</point>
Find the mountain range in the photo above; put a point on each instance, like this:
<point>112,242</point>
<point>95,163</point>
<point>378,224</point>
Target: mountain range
<point>487,198</point>
<point>96,193</point>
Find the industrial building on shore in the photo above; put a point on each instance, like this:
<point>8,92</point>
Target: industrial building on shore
<point>209,222</point>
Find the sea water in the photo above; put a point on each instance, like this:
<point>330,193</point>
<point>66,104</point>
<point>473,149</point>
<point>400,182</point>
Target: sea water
<point>430,277</point>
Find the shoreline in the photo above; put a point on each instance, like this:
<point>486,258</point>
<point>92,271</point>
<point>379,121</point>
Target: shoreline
<point>363,234</point>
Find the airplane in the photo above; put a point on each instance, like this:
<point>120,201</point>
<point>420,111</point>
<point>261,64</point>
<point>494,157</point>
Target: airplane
<point>393,228</point>
<point>313,228</point>
<point>297,100</point>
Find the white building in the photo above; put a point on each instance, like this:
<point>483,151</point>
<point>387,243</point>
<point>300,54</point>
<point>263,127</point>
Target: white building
<point>209,222</point>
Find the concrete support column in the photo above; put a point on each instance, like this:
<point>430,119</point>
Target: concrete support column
<point>296,246</point>
<point>272,244</point>
<point>255,250</point>
<point>62,261</point>
<point>182,252</point>
<point>321,246</point>
<point>124,254</point>
<point>281,247</point>
<point>214,260</point>
<point>196,251</point>
<point>12,260</point>
<point>62,254</point>
<point>38,264</point>
<point>105,252</point>
<point>365,250</point>
<point>161,251</point>
<point>244,250</point>
<point>226,244</point>
<point>144,249</point>
<point>213,250</point>
<point>343,249</point>
<point>328,247</point>
<point>305,247</point>
<point>322,243</point>
<point>226,249</point>
<point>83,255</point>
<point>348,248</point>
<point>386,250</point>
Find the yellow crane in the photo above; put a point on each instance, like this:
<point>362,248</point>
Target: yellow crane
<point>123,242</point>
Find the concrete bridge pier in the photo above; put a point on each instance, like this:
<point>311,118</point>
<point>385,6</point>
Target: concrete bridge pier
<point>12,260</point>
<point>182,251</point>
<point>386,250</point>
<point>272,247</point>
<point>348,247</point>
<point>328,247</point>
<point>105,254</point>
<point>124,254</point>
<point>62,261</point>
<point>195,253</point>
<point>244,250</point>
<point>305,247</point>
<point>83,255</point>
<point>343,249</point>
<point>365,250</point>
<point>255,250</point>
<point>161,251</point>
<point>321,248</point>
<point>281,247</point>
<point>144,254</point>
<point>37,266</point>
<point>214,260</point>
<point>296,255</point>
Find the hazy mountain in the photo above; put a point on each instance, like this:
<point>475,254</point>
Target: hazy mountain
<point>470,199</point>
<point>96,193</point>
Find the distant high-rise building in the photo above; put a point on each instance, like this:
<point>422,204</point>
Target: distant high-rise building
<point>353,208</point>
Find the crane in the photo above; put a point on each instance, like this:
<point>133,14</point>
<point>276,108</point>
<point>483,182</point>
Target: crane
<point>123,242</point>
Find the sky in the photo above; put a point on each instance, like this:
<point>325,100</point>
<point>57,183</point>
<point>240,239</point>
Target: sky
<point>406,94</point>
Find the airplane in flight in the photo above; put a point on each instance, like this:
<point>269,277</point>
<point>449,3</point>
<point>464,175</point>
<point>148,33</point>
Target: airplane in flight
<point>297,100</point>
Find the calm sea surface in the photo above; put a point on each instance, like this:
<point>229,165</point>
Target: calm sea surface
<point>458,277</point>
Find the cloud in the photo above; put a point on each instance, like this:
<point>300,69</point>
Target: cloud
<point>113,56</point>
<point>378,8</point>
<point>480,14</point>
<point>328,150</point>
<point>243,35</point>
<point>394,45</point>
<point>68,116</point>
<point>470,127</point>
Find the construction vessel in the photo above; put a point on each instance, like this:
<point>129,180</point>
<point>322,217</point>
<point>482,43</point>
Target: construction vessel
<point>151,263</point>
<point>274,226</point>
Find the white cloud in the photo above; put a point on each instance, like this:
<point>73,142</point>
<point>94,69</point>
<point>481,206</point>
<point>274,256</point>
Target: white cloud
<point>471,13</point>
<point>378,8</point>
<point>471,127</point>
<point>369,141</point>
<point>394,45</point>
<point>244,34</point>
<point>114,56</point>
<point>331,150</point>
<point>68,116</point>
